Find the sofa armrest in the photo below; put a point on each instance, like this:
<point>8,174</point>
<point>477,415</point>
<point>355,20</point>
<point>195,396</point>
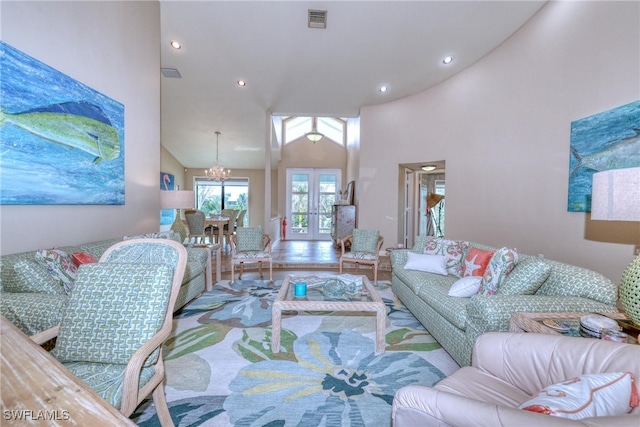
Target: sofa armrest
<point>424,406</point>
<point>492,313</point>
<point>398,258</point>
<point>531,362</point>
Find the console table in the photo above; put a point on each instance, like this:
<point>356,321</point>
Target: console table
<point>36,389</point>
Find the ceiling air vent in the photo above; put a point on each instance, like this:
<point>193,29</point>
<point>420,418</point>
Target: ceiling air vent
<point>171,73</point>
<point>317,18</point>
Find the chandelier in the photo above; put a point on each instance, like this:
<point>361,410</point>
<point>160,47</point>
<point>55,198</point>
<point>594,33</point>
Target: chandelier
<point>217,172</point>
<point>314,135</point>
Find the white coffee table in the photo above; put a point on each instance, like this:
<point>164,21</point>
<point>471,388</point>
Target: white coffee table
<point>367,301</point>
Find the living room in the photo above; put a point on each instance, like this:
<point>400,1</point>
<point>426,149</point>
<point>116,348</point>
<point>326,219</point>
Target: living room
<point>503,126</point>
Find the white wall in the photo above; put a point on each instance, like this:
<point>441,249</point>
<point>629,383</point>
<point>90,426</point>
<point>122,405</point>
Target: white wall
<point>503,127</point>
<point>114,48</point>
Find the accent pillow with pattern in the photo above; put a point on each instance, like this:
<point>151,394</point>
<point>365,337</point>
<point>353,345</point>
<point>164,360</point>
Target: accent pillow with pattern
<point>60,266</point>
<point>501,264</point>
<point>476,262</point>
<point>454,250</point>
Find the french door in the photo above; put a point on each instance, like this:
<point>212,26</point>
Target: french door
<point>311,194</point>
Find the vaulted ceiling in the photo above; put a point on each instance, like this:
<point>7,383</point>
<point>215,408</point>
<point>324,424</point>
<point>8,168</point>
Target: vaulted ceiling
<point>291,69</point>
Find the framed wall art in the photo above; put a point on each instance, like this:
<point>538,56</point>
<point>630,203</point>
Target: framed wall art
<point>61,142</point>
<point>608,140</point>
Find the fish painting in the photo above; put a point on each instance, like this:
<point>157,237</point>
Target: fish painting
<point>624,153</point>
<point>74,124</point>
<point>603,141</point>
<point>61,141</point>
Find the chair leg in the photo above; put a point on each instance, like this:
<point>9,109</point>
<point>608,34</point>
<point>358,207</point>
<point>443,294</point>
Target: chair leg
<point>232,271</point>
<point>375,274</point>
<point>260,269</point>
<point>162,409</point>
<point>241,270</point>
<point>340,267</point>
<point>270,270</point>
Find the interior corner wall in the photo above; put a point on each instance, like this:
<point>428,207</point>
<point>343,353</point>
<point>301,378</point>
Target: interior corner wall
<point>169,164</point>
<point>114,48</point>
<point>503,127</point>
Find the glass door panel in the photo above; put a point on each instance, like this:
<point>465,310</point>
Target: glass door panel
<point>311,194</point>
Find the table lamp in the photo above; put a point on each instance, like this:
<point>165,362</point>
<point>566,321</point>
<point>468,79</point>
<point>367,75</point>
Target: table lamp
<point>178,199</point>
<point>615,196</point>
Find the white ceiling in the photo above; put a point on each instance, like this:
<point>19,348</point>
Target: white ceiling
<point>291,69</point>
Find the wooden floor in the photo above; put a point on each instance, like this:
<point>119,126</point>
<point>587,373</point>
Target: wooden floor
<point>298,256</point>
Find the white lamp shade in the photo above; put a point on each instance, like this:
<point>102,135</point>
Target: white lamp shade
<point>615,195</point>
<point>179,199</point>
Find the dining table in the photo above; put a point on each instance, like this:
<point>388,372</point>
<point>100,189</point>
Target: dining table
<point>218,221</point>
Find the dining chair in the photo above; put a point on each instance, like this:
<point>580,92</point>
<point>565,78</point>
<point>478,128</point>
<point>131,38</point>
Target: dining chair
<point>117,319</point>
<point>365,249</point>
<point>196,224</point>
<point>229,228</point>
<point>250,245</point>
<point>240,219</point>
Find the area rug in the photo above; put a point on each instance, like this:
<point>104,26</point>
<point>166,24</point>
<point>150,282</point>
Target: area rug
<point>220,370</point>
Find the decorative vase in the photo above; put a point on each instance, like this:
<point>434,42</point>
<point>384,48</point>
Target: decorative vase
<point>629,290</point>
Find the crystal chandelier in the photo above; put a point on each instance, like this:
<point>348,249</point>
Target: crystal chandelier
<point>217,172</point>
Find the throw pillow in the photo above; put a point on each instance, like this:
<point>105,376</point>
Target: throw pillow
<point>526,278</point>
<point>60,266</point>
<point>454,251</point>
<point>365,241</point>
<point>34,278</point>
<point>591,395</point>
<point>476,262</point>
<point>80,258</point>
<point>118,304</point>
<point>249,239</point>
<point>465,287</point>
<point>501,264</point>
<point>429,263</point>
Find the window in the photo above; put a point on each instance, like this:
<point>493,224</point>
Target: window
<point>334,129</point>
<point>212,197</point>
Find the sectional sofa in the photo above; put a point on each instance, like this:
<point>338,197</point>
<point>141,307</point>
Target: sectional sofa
<point>534,285</point>
<point>33,300</point>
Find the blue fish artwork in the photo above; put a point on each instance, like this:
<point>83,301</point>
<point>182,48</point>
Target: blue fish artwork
<point>61,142</point>
<point>608,140</point>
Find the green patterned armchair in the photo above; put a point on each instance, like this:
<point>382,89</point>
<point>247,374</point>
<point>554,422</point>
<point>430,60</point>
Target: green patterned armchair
<point>117,318</point>
<point>365,249</point>
<point>250,245</point>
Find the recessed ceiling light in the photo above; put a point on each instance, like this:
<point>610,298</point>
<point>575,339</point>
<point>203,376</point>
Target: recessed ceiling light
<point>175,44</point>
<point>242,83</point>
<point>428,168</point>
<point>447,60</point>
<point>383,89</point>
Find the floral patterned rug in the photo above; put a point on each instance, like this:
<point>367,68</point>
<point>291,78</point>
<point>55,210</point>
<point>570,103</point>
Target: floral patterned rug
<point>221,372</point>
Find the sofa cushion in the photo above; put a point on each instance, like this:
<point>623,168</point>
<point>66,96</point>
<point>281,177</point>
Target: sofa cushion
<point>436,264</point>
<point>476,262</point>
<point>526,278</point>
<point>502,263</point>
<point>171,235</point>
<point>34,277</point>
<point>436,294</point>
<point>571,280</point>
<point>32,313</point>
<point>454,250</point>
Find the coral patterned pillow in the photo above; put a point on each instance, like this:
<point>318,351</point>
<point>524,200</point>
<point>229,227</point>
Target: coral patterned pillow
<point>501,264</point>
<point>452,249</point>
<point>59,265</point>
<point>591,395</point>
<point>476,262</point>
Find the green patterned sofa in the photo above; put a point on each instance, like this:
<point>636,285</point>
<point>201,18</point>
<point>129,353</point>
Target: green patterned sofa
<point>456,322</point>
<point>33,305</point>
